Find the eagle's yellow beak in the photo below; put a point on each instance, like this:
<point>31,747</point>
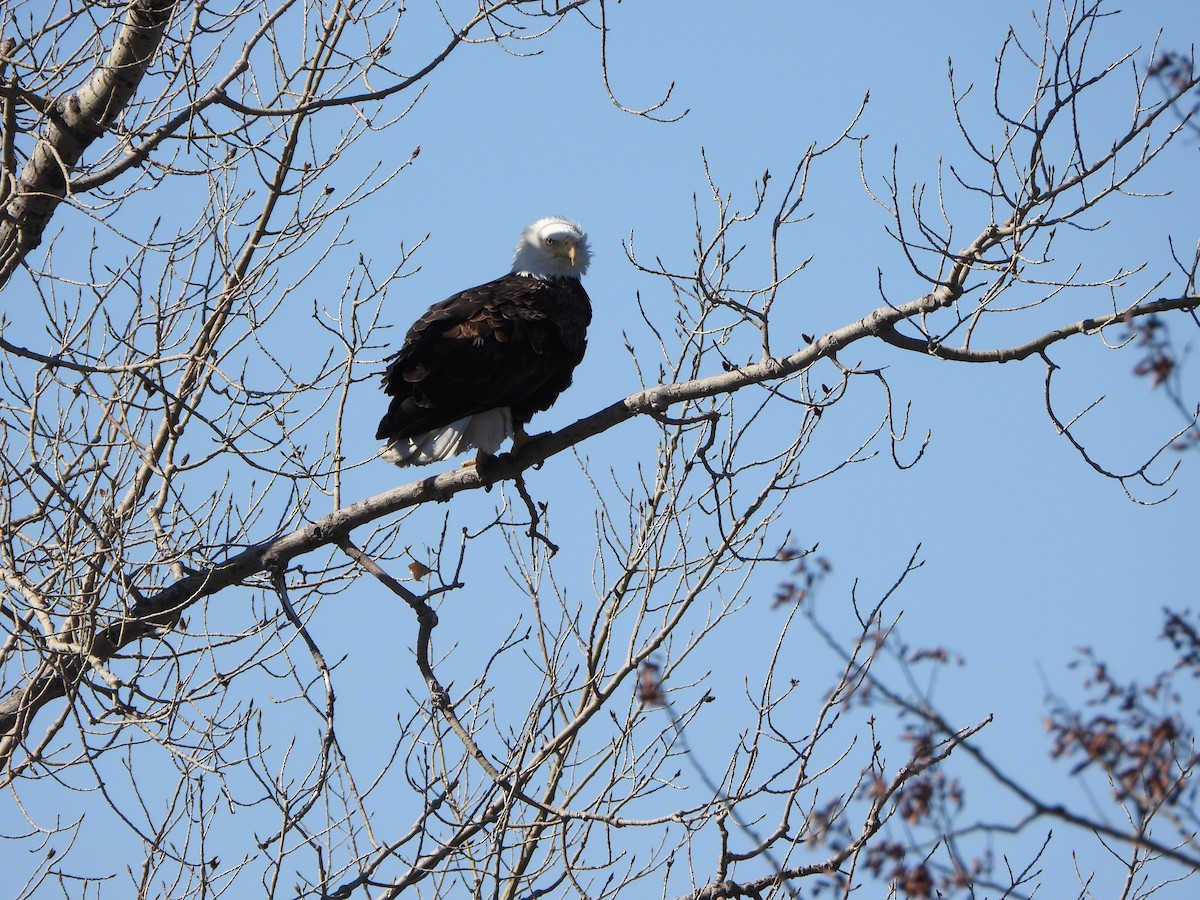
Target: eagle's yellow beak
<point>571,252</point>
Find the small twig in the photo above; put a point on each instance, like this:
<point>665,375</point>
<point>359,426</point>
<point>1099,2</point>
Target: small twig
<point>534,519</point>
<point>279,582</point>
<point>427,620</point>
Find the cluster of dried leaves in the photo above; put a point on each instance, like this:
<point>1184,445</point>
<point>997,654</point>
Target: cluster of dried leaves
<point>1140,736</point>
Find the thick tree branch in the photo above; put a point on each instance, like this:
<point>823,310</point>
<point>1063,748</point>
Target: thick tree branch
<point>1037,345</point>
<point>73,123</point>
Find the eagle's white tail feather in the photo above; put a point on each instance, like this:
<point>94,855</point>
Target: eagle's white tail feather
<point>485,431</point>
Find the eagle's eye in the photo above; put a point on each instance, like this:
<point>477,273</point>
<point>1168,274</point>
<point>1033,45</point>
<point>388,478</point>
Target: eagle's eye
<point>550,242</point>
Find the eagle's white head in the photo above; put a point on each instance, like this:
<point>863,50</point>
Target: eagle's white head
<point>552,247</point>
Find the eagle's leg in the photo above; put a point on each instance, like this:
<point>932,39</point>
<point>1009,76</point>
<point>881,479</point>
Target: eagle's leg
<point>520,438</point>
<point>481,459</point>
<point>484,465</point>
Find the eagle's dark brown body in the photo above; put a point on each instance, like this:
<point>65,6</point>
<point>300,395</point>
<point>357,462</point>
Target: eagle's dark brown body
<point>511,343</point>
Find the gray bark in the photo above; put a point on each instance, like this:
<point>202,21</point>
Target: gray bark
<point>71,124</point>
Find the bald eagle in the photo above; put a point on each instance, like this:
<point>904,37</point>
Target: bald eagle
<point>475,368</point>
